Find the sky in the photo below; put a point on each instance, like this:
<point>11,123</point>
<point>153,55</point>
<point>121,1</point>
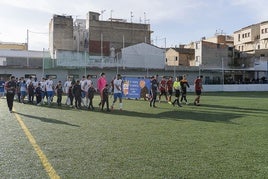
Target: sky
<point>173,22</point>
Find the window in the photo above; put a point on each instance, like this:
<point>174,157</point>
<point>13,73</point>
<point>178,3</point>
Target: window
<point>51,76</point>
<point>262,31</point>
<point>5,76</point>
<point>94,17</point>
<point>197,58</point>
<point>248,34</point>
<point>197,45</point>
<point>73,76</point>
<point>239,37</point>
<point>29,75</point>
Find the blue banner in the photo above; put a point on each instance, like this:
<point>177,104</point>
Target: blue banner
<point>135,88</point>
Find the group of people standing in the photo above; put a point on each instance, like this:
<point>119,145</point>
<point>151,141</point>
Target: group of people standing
<point>82,91</point>
<point>179,87</point>
<point>30,88</point>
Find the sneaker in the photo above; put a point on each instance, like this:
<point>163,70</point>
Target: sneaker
<point>169,102</point>
<point>187,103</point>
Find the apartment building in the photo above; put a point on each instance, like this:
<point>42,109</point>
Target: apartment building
<point>221,39</point>
<point>252,39</point>
<point>114,34</point>
<point>247,39</point>
<point>180,57</point>
<point>13,46</point>
<point>263,35</point>
<point>251,45</point>
<point>61,36</point>
<point>212,55</point>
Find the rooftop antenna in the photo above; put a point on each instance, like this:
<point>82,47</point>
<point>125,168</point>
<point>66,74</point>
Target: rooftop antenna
<point>131,16</point>
<point>102,11</point>
<point>144,17</point>
<point>111,15</point>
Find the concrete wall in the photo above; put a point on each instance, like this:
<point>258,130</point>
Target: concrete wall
<point>232,88</point>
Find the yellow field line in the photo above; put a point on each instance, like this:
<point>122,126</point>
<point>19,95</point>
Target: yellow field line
<point>48,167</point>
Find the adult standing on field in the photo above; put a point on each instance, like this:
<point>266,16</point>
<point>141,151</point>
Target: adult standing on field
<point>118,82</point>
<point>177,87</point>
<point>10,87</point>
<point>198,89</point>
<point>153,91</point>
<point>77,93</point>
<point>163,88</point>
<point>170,89</point>
<point>184,86</point>
<point>101,85</point>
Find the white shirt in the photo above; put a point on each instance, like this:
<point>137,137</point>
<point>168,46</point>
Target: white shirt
<point>66,86</point>
<point>43,85</point>
<point>86,84</point>
<point>49,85</point>
<point>28,81</point>
<point>118,86</point>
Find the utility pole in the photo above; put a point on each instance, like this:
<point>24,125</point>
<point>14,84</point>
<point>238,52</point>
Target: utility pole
<point>27,63</point>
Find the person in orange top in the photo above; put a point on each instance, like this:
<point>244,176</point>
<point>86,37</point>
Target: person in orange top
<point>184,86</point>
<point>198,90</point>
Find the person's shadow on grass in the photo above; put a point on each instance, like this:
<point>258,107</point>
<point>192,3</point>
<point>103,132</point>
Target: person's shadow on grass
<point>48,120</point>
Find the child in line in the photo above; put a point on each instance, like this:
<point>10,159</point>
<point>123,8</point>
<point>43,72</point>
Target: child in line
<point>105,98</point>
<point>70,94</point>
<point>91,92</point>
<point>59,91</point>
<point>38,94</point>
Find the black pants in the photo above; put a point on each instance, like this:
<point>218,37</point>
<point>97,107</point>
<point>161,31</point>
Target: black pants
<point>71,99</point>
<point>59,99</point>
<point>153,98</point>
<point>19,96</point>
<point>38,98</point>
<point>90,106</point>
<point>105,100</point>
<point>10,99</point>
<point>77,101</point>
<point>183,96</point>
<point>31,98</point>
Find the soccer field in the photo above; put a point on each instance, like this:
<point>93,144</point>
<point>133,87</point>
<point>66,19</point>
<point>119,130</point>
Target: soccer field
<point>225,137</point>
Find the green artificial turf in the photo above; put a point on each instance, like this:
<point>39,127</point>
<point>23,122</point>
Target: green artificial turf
<point>225,137</point>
